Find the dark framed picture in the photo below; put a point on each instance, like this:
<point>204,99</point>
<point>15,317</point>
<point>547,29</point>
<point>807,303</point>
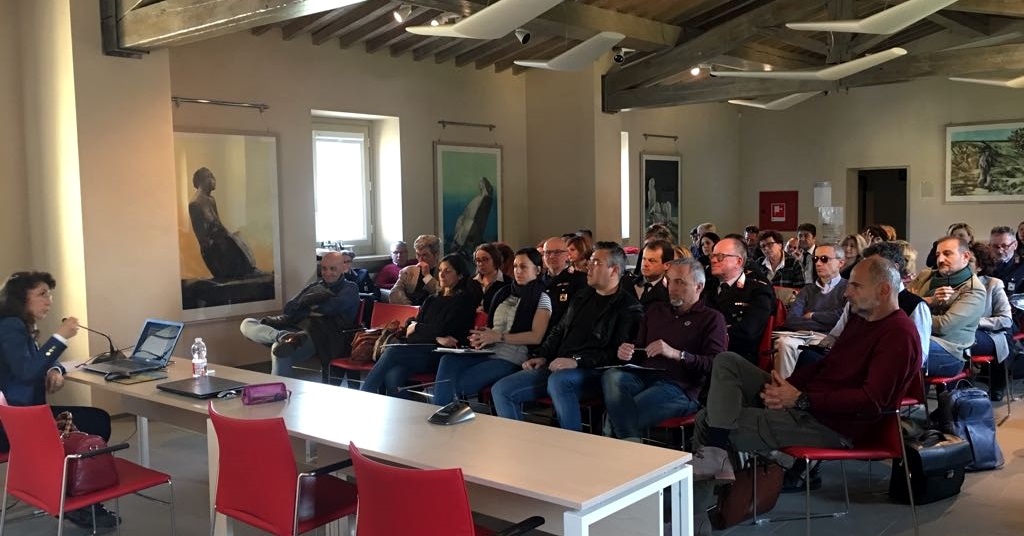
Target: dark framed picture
<point>661,190</point>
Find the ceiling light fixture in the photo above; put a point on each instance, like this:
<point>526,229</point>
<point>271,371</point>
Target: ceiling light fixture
<point>830,73</point>
<point>492,22</point>
<point>403,13</point>
<point>695,71</point>
<point>777,104</point>
<point>579,56</point>
<point>884,22</point>
<point>444,18</point>
<point>1015,83</point>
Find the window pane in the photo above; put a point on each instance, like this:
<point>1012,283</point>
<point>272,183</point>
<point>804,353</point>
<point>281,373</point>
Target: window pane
<point>340,183</point>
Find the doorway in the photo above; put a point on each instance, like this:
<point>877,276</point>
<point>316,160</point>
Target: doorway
<point>882,198</point>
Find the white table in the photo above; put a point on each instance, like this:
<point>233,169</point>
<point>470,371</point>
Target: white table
<point>582,484</point>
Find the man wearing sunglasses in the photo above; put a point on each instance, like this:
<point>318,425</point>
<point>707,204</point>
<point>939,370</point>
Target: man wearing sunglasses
<point>816,309</point>
<point>745,301</point>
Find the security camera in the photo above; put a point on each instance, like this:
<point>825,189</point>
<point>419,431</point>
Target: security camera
<point>523,36</point>
<point>619,54</point>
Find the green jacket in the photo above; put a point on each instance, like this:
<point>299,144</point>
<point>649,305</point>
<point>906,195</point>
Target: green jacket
<point>954,323</point>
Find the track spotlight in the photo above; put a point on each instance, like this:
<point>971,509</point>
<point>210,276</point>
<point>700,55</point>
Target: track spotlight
<point>695,71</point>
<point>619,54</point>
<point>523,35</point>
<point>402,13</point>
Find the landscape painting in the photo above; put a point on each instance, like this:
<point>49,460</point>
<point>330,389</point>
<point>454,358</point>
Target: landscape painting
<point>985,162</point>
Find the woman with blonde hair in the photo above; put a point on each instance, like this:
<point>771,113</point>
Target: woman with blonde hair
<point>909,255</point>
<point>853,246</point>
<point>580,249</point>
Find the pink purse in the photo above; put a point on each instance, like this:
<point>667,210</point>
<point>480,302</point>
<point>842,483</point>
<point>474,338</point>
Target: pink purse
<point>262,393</point>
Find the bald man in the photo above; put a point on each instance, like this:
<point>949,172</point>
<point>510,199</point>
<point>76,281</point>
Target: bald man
<point>562,283</point>
<point>330,300</point>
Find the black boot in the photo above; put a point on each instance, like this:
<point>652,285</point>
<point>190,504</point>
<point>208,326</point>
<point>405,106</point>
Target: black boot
<point>793,480</point>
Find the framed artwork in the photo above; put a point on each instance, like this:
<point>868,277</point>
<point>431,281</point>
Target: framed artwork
<point>661,190</point>
<point>778,210</point>
<point>985,162</point>
<point>467,181</point>
<point>228,238</point>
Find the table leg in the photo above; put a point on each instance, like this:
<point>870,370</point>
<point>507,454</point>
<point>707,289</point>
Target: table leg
<point>142,423</point>
<point>573,524</point>
<point>682,506</point>
<point>222,525</point>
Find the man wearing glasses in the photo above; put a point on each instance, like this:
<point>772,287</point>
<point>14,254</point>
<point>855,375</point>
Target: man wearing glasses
<point>779,267</point>
<point>816,309</point>
<point>562,284</point>
<point>1008,267</point>
<point>746,302</point>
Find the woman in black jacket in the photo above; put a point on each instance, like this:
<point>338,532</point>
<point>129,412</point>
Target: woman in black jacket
<point>443,320</point>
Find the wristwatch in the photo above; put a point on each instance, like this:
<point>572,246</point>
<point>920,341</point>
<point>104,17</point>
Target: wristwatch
<point>577,358</point>
<point>802,402</point>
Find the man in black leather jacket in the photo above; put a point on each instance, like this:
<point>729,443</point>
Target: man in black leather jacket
<point>600,318</point>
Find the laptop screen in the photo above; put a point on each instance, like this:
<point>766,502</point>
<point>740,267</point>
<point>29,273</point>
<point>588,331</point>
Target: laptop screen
<point>157,340</point>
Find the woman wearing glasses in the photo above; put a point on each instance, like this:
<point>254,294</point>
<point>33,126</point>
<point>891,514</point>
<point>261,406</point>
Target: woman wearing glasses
<point>29,371</point>
<point>488,273</point>
<point>779,267</point>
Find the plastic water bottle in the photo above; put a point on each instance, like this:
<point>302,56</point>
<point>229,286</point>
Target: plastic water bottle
<point>198,358</point>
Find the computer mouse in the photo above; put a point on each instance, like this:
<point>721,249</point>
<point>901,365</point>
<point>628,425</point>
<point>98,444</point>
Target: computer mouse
<point>453,413</point>
<point>111,376</point>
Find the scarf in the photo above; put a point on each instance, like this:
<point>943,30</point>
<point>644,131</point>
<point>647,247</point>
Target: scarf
<point>954,279</point>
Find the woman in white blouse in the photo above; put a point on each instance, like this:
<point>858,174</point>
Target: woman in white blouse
<point>993,334</point>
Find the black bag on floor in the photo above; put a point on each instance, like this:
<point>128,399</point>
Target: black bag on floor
<point>936,463</point>
<point>972,419</point>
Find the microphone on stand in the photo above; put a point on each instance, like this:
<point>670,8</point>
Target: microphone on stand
<point>111,354</point>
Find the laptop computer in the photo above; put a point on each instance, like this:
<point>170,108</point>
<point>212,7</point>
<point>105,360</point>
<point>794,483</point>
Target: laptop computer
<point>201,387</point>
<point>152,351</point>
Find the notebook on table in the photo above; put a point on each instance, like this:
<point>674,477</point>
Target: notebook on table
<point>153,350</point>
<point>201,387</point>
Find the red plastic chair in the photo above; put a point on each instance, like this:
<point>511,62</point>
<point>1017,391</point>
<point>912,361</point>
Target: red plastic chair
<point>382,314</point>
<point>766,349</point>
<point>260,485</point>
<point>37,467</point>
<point>397,500</point>
<point>675,422</point>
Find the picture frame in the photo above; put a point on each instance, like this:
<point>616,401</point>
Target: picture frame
<point>661,191</point>
<point>228,227</point>
<point>467,185</point>
<point>985,162</point>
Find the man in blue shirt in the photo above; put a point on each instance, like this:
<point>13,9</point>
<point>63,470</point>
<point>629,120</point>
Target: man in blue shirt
<point>331,297</point>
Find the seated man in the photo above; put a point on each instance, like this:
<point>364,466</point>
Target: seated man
<point>600,318</point>
<point>359,276</point>
<point>650,286</point>
<point>816,309</point>
<point>834,403</point>
<point>778,266</point>
<point>562,283</point>
<point>680,338</point>
<point>745,301</point>
<point>417,281</point>
<point>956,298</point>
<point>388,274</point>
<point>332,297</point>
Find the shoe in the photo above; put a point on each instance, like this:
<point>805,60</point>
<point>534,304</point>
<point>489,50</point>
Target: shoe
<point>105,519</point>
<point>288,344</point>
<point>793,479</point>
<point>712,463</point>
<point>997,395</point>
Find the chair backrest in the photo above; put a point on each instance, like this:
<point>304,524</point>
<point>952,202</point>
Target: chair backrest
<point>779,315</point>
<point>888,439</point>
<point>257,478</point>
<point>481,319</point>
<point>396,500</point>
<point>386,312</point>
<point>35,468</point>
<point>765,350</point>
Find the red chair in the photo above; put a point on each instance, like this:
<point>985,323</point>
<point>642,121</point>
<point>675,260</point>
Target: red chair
<point>397,500</point>
<point>37,468</point>
<point>682,423</point>
<point>766,349</point>
<point>260,485</point>
<point>382,314</point>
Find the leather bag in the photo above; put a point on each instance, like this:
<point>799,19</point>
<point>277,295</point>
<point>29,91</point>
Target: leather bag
<point>365,347</point>
<point>735,503</point>
<point>86,475</point>
<point>936,461</point>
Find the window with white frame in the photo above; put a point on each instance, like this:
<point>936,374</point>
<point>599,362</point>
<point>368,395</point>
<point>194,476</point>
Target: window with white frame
<point>343,184</point>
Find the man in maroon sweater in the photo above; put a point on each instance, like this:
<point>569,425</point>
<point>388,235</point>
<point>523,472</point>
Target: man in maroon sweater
<point>831,404</point>
<point>679,339</point>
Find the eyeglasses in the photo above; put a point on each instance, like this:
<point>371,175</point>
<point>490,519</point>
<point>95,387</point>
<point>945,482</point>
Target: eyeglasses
<point>596,262</point>
<point>481,260</point>
<point>1003,246</point>
<point>47,294</point>
<point>766,245</point>
<point>719,257</point>
<point>823,258</point>
<point>554,252</point>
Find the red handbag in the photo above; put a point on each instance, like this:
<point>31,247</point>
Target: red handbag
<point>86,475</point>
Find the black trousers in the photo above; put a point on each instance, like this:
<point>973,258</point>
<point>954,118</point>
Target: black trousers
<point>89,420</point>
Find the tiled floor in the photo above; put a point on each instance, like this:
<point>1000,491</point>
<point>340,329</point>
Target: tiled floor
<point>991,503</point>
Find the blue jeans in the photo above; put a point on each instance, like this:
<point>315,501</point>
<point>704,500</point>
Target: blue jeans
<point>636,402</point>
<point>396,365</point>
<point>467,375</point>
<point>941,363</point>
<point>565,388</point>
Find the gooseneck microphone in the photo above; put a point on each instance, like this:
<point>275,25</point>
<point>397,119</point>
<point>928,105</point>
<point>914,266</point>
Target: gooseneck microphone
<point>109,355</point>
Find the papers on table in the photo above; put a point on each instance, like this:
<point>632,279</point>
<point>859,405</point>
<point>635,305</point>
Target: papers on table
<point>628,366</point>
<point>464,351</point>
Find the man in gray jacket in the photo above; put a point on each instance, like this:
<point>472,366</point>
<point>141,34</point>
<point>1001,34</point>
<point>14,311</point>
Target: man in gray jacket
<point>956,298</point>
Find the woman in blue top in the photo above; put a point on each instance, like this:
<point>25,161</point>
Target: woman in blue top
<point>29,371</point>
<point>518,319</point>
<point>443,320</point>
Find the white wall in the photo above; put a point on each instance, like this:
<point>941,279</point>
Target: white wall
<point>899,125</point>
<point>13,188</point>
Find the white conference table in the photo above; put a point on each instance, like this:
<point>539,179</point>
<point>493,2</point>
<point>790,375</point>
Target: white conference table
<point>581,484</point>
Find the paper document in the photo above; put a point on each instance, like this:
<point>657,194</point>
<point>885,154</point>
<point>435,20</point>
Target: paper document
<point>628,366</point>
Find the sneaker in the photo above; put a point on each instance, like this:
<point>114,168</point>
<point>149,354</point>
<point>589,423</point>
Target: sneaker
<point>793,479</point>
<point>105,519</point>
<point>997,395</point>
<point>288,344</point>
<point>712,463</point>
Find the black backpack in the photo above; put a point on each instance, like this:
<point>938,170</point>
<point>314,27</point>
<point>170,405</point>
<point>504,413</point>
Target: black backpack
<point>966,411</point>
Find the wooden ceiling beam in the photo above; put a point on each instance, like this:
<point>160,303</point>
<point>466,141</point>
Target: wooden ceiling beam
<point>964,24</point>
<point>580,21</point>
<point>476,53</point>
<point>175,22</point>
<point>359,14</point>
<point>370,28</point>
<point>408,42</point>
<point>716,41</point>
<point>1006,8</point>
<point>309,23</point>
<point>465,45</point>
<point>796,39</point>
<point>511,47</point>
<point>761,53</point>
<point>397,30</point>
<point>429,48</point>
<point>541,49</point>
<point>955,62</point>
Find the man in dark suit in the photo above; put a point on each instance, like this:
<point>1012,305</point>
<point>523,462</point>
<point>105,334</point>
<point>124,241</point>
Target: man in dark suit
<point>746,302</point>
<point>650,285</point>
